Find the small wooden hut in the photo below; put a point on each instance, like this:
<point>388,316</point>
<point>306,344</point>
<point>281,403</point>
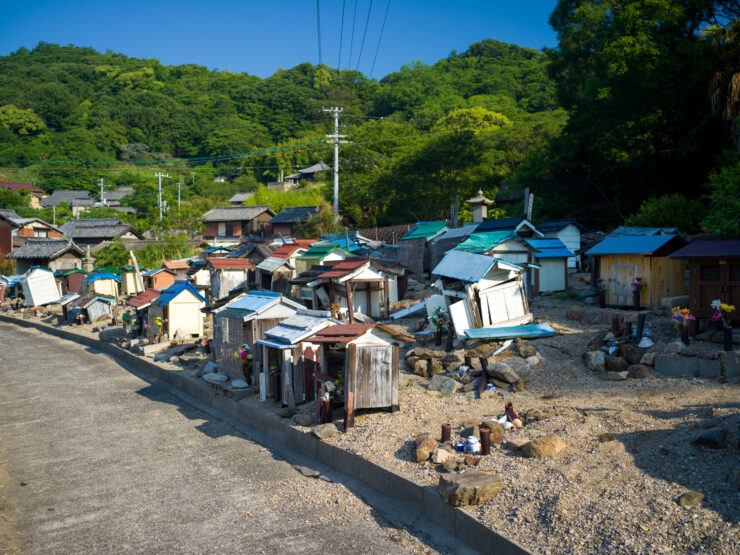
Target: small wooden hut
<point>417,240</point>
<point>179,307</point>
<point>227,273</point>
<point>92,305</point>
<point>71,280</point>
<point>158,278</point>
<point>101,283</point>
<point>129,280</point>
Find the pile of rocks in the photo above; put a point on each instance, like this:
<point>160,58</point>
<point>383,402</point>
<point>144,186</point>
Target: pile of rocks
<point>626,361</point>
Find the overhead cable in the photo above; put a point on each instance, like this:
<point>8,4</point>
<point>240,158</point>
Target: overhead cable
<point>382,28</point>
<point>364,34</point>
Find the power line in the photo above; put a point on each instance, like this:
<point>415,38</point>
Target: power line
<point>318,26</point>
<point>352,41</point>
<point>341,37</point>
<point>382,27</point>
<point>364,34</point>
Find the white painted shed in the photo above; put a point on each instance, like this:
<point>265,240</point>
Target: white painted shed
<point>39,287</point>
<point>569,232</point>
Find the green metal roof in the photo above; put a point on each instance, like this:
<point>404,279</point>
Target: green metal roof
<point>322,251</point>
<point>424,230</point>
<point>486,240</point>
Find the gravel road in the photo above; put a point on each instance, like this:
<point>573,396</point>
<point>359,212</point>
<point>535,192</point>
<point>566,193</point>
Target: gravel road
<point>94,459</point>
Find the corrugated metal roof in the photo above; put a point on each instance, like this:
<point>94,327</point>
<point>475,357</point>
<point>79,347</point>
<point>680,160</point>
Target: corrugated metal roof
<point>174,290</point>
<point>286,251</point>
<point>624,230</point>
<point>341,333</point>
<point>468,267</point>
<point>425,230</point>
<point>209,250</point>
<point>549,248</point>
<point>298,326</point>
<point>66,299</point>
<point>480,242</point>
<point>630,244</point>
<point>144,298</point>
<point>497,224</point>
<point>155,271</point>
<point>458,232</point>
<point>255,300</point>
<point>230,264</point>
<point>505,332</point>
<point>271,264</point>
<point>102,275</point>
<point>710,247</point>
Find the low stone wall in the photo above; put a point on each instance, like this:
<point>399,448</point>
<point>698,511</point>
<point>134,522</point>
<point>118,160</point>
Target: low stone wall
<point>270,432</point>
<point>676,365</point>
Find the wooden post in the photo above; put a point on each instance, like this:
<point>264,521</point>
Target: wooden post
<point>468,361</point>
<point>349,420</point>
<point>485,441</point>
<point>288,396</point>
<point>446,432</point>
<point>483,383</point>
<point>350,309</point>
<point>387,292</point>
<point>450,337</point>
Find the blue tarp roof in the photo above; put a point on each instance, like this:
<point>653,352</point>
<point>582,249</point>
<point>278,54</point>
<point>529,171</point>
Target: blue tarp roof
<point>214,249</point>
<point>102,275</point>
<point>174,290</point>
<point>506,332</point>
<point>467,266</point>
<point>550,248</point>
<point>630,244</point>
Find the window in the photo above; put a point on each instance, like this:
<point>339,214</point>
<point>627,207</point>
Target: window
<point>221,229</point>
<point>709,273</point>
<point>40,232</point>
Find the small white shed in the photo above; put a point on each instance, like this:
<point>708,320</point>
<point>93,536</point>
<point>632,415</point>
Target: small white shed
<point>180,305</point>
<point>226,274</point>
<point>102,283</point>
<point>39,287</point>
<point>569,232</point>
<point>552,256</point>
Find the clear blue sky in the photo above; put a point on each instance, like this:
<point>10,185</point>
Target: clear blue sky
<point>260,37</point>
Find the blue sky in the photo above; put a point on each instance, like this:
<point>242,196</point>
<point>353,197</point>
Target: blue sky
<point>261,37</point>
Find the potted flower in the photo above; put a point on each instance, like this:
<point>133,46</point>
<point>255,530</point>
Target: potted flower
<point>438,319</point>
<point>601,291</point>
<point>637,286</point>
<point>80,318</point>
<point>681,318</point>
<point>159,322</point>
<point>721,314</point>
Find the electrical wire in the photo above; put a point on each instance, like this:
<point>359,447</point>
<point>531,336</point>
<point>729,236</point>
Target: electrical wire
<point>364,34</point>
<point>318,26</point>
<point>382,28</point>
<point>341,37</point>
<point>352,40</point>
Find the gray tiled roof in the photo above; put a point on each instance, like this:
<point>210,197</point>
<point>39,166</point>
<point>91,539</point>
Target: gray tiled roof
<point>295,214</point>
<point>118,194</point>
<point>236,213</point>
<point>45,248</point>
<point>241,197</point>
<point>60,196</point>
<point>100,228</point>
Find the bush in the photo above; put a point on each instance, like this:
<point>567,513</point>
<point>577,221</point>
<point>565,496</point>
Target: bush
<point>670,211</point>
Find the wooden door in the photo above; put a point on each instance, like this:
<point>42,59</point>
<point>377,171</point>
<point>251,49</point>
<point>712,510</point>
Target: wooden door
<point>621,283</point>
<point>372,379</point>
<point>709,285</point>
<point>309,365</point>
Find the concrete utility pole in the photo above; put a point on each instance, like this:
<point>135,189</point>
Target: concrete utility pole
<point>160,175</point>
<point>335,110</point>
<point>102,199</point>
<point>179,184</point>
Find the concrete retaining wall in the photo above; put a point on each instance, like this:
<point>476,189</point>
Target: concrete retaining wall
<point>268,431</point>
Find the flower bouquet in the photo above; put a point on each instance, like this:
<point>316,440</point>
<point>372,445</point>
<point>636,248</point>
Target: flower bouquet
<point>722,312</point>
<point>681,318</point>
<point>637,286</point>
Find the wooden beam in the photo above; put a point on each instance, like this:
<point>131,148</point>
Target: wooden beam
<point>350,309</point>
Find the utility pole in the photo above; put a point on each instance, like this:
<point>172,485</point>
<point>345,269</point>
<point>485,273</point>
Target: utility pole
<point>54,214</point>
<point>179,184</point>
<point>160,175</point>
<point>102,199</point>
<point>335,111</point>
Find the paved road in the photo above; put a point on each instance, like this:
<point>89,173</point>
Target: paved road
<point>113,463</point>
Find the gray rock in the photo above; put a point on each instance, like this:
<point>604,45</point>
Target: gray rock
<point>638,371</point>
<point>534,360</point>
<point>472,385</point>
<point>471,488</point>
<point>545,446</point>
<point>435,367</point>
<point>421,367</point>
<point>525,349</point>
<point>615,376</point>
<point>674,347</point>
<point>325,431</point>
<point>688,353</point>
<point>286,413</point>
<point>303,419</point>
<point>519,386</point>
<point>715,438</point>
<point>210,367</point>
<point>443,384</point>
<point>307,472</point>
<point>691,498</point>
<point>503,372</point>
<point>648,359</point>
<point>440,456</point>
<point>615,363</point>
<point>595,361</point>
<point>730,364</point>
<point>633,353</point>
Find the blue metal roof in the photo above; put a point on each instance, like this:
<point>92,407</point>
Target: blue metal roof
<point>624,230</point>
<point>255,300</point>
<point>467,266</point>
<point>505,332</point>
<point>102,275</point>
<point>214,249</point>
<point>630,244</point>
<point>550,248</point>
<point>174,290</point>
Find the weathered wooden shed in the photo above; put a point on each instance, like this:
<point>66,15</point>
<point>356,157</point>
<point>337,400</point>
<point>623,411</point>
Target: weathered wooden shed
<point>130,281</point>
<point>227,273</point>
<point>101,283</point>
<point>243,322</point>
<point>552,257</point>
<point>418,240</point>
<point>366,356</point>
<point>39,287</point>
<point>93,306</point>
<point>622,258</point>
<point>282,355</point>
<point>180,305</point>
<point>71,280</point>
<point>714,272</point>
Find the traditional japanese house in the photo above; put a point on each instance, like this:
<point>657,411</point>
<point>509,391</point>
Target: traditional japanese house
<point>283,355</point>
<point>366,358</point>
<point>158,278</point>
<point>130,284</point>
<point>179,268</point>
<point>71,280</point>
<point>179,308</point>
<point>95,231</point>
<point>231,224</point>
<point>482,291</point>
<point>418,240</point>
<point>52,254</point>
<point>39,287</point>
<point>714,272</point>
<point>287,222</point>
<point>622,258</point>
<point>93,306</point>
<point>243,322</point>
<point>320,255</point>
<point>227,273</point>
<point>369,286</point>
<point>101,283</point>
<point>569,232</point>
<point>552,257</point>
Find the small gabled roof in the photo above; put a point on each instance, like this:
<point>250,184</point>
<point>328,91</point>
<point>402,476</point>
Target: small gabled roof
<point>633,244</point>
<point>710,247</point>
<point>97,228</point>
<point>502,224</point>
<point>271,264</point>
<point>549,248</point>
<point>301,325</point>
<point>43,248</point>
<point>155,271</point>
<point>210,250</point>
<point>345,267</point>
<point>469,267</point>
<point>241,197</point>
<point>557,225</point>
<point>174,290</point>
<point>229,264</point>
<point>457,233</point>
<point>88,298</point>
<point>344,333</point>
<point>426,230</point>
<point>102,275</point>
<point>480,242</point>
<point>132,268</point>
<point>640,231</point>
<point>143,299</point>
<point>73,271</point>
<point>177,264</point>
<point>286,251</point>
<point>251,305</point>
<point>310,275</point>
<point>64,300</point>
<point>59,196</point>
<point>320,252</point>
<point>236,213</point>
<point>295,214</point>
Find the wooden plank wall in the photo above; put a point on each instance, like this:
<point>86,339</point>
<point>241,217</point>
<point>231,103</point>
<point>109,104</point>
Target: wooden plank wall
<point>642,263</point>
<point>668,279</point>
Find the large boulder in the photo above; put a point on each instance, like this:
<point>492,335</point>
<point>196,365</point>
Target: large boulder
<point>443,384</point>
<point>325,431</point>
<point>502,371</point>
<point>411,361</point>
<point>422,352</point>
<point>421,367</point>
<point>435,367</point>
<point>632,353</point>
<point>595,361</point>
<point>545,446</point>
<point>471,488</point>
<point>455,357</point>
<point>615,364</point>
<point>425,445</point>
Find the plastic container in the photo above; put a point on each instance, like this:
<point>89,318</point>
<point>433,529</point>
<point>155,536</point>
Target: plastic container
<point>460,446</point>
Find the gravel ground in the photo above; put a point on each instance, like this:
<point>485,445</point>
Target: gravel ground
<point>618,496</point>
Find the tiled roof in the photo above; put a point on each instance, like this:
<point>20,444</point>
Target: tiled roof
<point>144,298</point>
<point>45,248</point>
<point>230,264</point>
<point>98,228</point>
<point>295,214</point>
<point>236,213</point>
<point>285,251</point>
<point>60,196</point>
<point>16,186</point>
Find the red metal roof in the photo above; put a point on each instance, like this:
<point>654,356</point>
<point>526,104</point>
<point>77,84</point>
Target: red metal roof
<point>230,263</point>
<point>343,268</point>
<point>286,250</point>
<point>143,298</point>
<point>177,265</point>
<point>341,333</point>
<point>15,186</point>
<point>304,242</point>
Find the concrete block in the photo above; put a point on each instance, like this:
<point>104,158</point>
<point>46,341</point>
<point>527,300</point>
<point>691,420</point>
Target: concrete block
<point>730,362</point>
<point>152,348</point>
<point>677,366</point>
<point>670,302</point>
<point>708,368</point>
